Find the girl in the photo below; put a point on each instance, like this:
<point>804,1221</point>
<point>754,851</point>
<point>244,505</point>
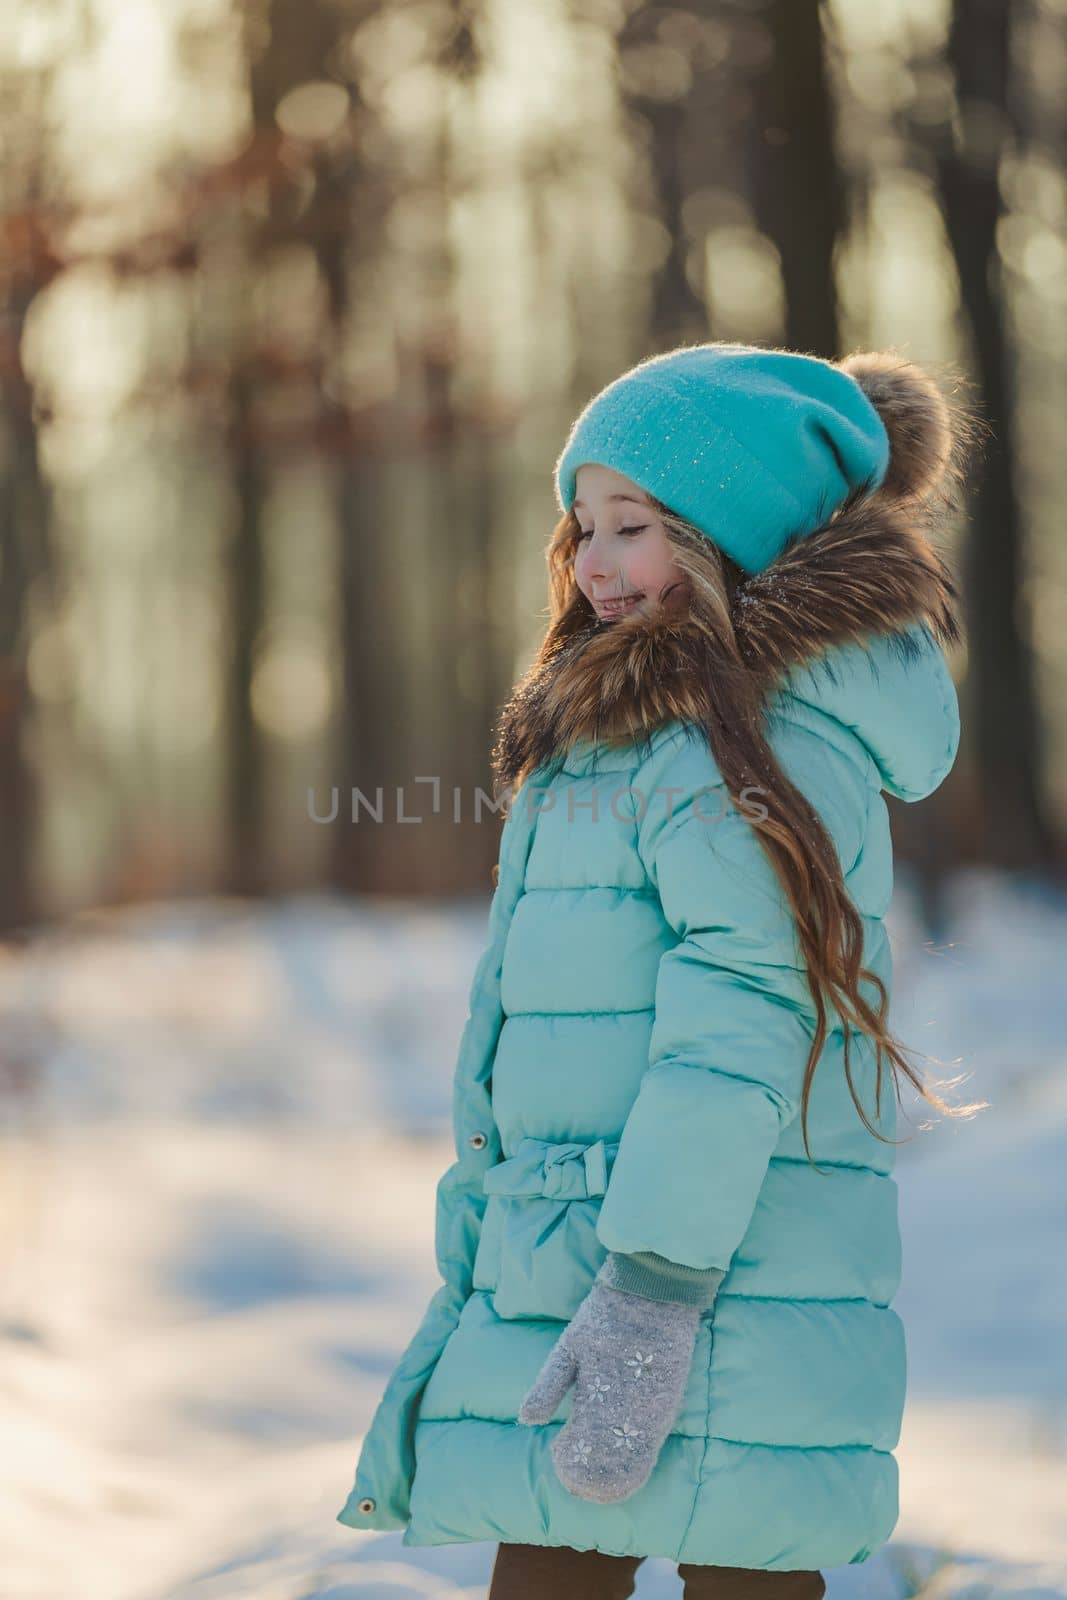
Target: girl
<point>668,1244</point>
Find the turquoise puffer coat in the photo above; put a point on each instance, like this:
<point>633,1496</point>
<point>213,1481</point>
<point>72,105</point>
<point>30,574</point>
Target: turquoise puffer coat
<point>629,1079</point>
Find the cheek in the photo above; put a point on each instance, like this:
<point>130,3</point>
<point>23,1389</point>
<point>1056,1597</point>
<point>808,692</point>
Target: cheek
<point>658,565</point>
<point>646,570</point>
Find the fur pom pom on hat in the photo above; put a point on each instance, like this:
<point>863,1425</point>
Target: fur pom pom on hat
<point>916,418</point>
<point>758,447</point>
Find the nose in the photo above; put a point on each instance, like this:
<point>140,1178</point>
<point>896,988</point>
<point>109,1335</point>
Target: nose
<point>598,565</point>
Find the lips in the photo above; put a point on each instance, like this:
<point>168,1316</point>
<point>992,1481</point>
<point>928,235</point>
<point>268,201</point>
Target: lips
<point>617,605</point>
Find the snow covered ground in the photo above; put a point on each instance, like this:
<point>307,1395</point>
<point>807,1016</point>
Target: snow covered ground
<point>221,1128</point>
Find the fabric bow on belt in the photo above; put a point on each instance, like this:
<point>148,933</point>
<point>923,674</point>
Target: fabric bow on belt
<point>557,1171</point>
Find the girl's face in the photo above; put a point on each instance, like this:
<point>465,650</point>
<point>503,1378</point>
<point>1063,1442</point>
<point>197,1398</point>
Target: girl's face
<point>624,557</point>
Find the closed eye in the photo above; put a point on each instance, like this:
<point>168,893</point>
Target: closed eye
<point>587,533</point>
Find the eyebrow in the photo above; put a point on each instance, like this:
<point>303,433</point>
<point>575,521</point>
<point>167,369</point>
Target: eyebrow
<point>634,498</point>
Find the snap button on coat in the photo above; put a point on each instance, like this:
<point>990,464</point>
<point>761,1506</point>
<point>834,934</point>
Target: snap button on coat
<point>477,1141</point>
<point>367,1506</point>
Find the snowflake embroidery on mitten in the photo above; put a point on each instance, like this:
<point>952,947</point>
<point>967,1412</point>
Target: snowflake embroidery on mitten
<point>580,1450</point>
<point>640,1362</point>
<point>626,1435</point>
<point>599,1387</point>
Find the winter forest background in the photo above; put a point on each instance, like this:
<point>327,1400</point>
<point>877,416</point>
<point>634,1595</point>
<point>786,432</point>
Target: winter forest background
<point>298,301</point>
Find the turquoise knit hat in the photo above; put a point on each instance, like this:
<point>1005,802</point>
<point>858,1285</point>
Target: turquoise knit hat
<point>753,446</point>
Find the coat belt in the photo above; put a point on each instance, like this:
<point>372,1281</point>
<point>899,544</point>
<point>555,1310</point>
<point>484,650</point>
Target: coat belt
<point>558,1171</point>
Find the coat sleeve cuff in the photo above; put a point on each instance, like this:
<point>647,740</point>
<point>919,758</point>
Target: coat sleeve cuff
<point>655,1278</point>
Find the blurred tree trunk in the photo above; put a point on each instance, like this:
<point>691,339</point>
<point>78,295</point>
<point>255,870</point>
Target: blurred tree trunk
<point>23,525</point>
<point>421,707</point>
<point>1002,706</point>
<point>25,561</point>
<point>757,115</point>
<point>342,225</point>
<point>793,173</point>
<point>245,853</point>
<point>677,312</point>
<point>463,693</point>
<point>277,53</point>
<point>289,47</point>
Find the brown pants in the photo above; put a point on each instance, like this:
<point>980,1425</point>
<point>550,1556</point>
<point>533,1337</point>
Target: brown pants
<point>556,1572</point>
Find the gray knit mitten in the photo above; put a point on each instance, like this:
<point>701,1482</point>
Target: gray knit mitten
<point>628,1357</point>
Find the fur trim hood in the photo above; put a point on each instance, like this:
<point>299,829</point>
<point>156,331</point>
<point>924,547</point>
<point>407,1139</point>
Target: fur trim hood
<point>850,618</point>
